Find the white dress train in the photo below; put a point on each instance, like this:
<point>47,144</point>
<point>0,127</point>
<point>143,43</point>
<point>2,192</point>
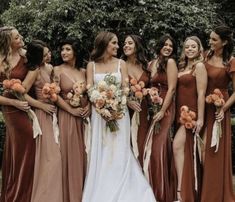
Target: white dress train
<point>113,174</point>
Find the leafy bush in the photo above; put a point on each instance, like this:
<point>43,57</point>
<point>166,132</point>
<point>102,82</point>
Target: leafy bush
<point>53,20</point>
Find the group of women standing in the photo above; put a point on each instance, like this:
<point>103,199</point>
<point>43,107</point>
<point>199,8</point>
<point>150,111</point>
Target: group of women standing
<point>63,163</point>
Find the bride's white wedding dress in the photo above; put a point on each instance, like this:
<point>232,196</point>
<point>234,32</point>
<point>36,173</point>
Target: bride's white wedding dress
<point>113,174</point>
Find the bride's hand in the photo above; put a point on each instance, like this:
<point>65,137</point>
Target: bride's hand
<point>77,111</point>
<point>86,111</point>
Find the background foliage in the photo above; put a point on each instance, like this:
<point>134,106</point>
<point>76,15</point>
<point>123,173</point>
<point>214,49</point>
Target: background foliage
<point>53,20</point>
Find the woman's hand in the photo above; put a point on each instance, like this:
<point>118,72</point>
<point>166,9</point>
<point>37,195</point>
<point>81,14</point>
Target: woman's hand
<point>21,105</point>
<point>77,111</point>
<point>198,126</point>
<point>134,105</point>
<point>158,116</point>
<point>48,108</point>
<point>86,111</point>
<point>219,116</point>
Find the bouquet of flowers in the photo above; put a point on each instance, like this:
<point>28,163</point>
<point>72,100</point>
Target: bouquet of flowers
<point>15,87</point>
<point>109,100</point>
<point>76,94</point>
<point>50,91</point>
<point>156,104</point>
<point>187,117</point>
<point>217,99</point>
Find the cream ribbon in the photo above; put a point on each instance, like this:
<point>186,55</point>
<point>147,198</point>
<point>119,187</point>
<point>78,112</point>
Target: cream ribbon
<point>135,121</point>
<point>216,135</point>
<point>87,137</point>
<point>148,150</point>
<point>55,128</point>
<point>36,127</point>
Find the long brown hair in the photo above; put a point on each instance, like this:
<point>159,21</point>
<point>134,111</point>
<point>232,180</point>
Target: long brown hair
<point>101,42</point>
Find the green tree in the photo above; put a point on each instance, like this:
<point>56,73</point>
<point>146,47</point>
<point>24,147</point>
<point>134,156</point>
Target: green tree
<point>53,20</point>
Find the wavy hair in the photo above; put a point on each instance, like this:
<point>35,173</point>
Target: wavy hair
<point>163,59</point>
<point>101,42</point>
<point>140,51</point>
<point>183,61</point>
<point>225,34</point>
<point>5,44</point>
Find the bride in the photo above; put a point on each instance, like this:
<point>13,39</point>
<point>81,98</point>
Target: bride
<point>113,173</point>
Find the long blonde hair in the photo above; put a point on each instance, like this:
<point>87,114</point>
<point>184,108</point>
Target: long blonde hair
<point>183,61</point>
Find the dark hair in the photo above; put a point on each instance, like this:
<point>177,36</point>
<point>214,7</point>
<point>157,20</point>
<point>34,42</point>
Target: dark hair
<point>225,34</point>
<point>140,51</point>
<point>162,59</point>
<point>34,55</point>
<point>101,42</point>
<point>75,44</point>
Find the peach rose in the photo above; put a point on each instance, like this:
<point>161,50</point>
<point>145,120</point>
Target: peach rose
<point>138,87</point>
<point>214,97</point>
<point>133,89</point>
<point>18,88</point>
<point>188,125</point>
<point>209,99</point>
<point>182,120</point>
<point>53,97</point>
<point>184,108</point>
<point>192,114</point>
<point>218,92</point>
<point>139,95</point>
<point>219,103</point>
<point>6,84</point>
<point>145,91</point>
<point>69,95</point>
<point>133,81</point>
<point>141,83</point>
<point>99,103</point>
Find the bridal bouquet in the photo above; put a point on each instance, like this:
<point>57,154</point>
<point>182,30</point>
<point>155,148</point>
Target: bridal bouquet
<point>50,91</point>
<point>109,100</point>
<point>187,117</point>
<point>156,104</point>
<point>15,87</point>
<point>217,99</point>
<point>76,94</point>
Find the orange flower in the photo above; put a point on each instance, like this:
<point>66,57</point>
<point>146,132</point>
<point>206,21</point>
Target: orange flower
<point>184,108</point>
<point>139,95</point>
<point>138,87</point>
<point>209,99</point>
<point>192,114</point>
<point>53,97</point>
<point>133,88</point>
<point>214,97</point>
<point>218,92</point>
<point>18,88</point>
<point>6,84</point>
<point>145,91</point>
<point>153,91</point>
<point>219,103</point>
<point>133,81</point>
<point>188,125</point>
<point>182,120</point>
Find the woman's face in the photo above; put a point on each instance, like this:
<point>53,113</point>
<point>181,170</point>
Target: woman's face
<point>45,54</point>
<point>129,46</point>
<point>191,49</point>
<point>215,42</point>
<point>167,49</point>
<point>112,46</point>
<point>16,40</point>
<point>67,53</point>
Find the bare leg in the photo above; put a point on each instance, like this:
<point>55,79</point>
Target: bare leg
<point>178,149</point>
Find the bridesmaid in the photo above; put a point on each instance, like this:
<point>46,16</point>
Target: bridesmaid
<point>47,183</point>
<point>163,76</point>
<point>71,122</point>
<point>19,151</point>
<point>136,63</point>
<point>192,83</point>
<point>220,65</point>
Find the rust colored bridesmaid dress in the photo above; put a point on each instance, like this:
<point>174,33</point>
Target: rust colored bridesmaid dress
<point>19,153</point>
<point>47,185</point>
<point>217,174</point>
<point>186,94</point>
<point>72,147</point>
<point>144,122</point>
<point>161,155</point>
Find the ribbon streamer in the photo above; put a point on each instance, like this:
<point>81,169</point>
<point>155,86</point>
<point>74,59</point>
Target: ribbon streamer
<point>55,128</point>
<point>134,133</point>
